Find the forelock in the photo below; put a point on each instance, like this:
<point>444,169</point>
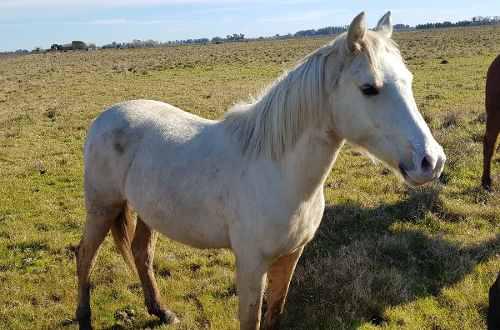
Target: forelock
<point>376,45</point>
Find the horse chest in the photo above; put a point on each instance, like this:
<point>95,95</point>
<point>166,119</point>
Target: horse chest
<point>308,220</point>
<point>280,237</point>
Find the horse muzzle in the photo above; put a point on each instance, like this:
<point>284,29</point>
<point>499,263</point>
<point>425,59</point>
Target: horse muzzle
<point>427,166</point>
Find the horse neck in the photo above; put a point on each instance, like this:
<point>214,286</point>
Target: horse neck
<point>308,160</point>
<point>274,123</point>
<point>307,166</point>
<point>291,125</point>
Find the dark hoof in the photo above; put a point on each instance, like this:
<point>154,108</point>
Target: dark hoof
<point>486,183</point>
<point>167,317</point>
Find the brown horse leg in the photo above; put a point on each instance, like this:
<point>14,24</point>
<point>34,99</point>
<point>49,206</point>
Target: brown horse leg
<point>96,228</point>
<point>279,277</point>
<point>490,138</point>
<point>143,249</point>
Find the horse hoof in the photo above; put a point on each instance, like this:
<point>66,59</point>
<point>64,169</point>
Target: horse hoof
<point>168,317</point>
<point>487,187</point>
<point>486,183</point>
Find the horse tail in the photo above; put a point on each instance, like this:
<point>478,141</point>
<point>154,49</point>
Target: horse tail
<point>123,229</point>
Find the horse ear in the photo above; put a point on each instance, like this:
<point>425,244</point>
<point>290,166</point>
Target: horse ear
<point>384,26</point>
<point>357,31</point>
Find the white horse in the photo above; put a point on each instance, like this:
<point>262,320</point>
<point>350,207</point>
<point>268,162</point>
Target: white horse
<point>253,181</point>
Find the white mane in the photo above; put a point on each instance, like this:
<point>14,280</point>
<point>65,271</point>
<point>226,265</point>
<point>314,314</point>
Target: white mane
<point>273,122</point>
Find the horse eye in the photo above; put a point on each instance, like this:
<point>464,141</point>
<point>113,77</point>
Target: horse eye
<point>369,90</point>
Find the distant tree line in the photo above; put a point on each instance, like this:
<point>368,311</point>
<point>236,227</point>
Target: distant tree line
<point>235,37</point>
<point>188,42</point>
<point>132,44</point>
<point>329,30</point>
<point>476,21</point>
<point>401,27</point>
<point>239,37</point>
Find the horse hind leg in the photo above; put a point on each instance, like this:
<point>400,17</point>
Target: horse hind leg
<point>97,226</point>
<point>490,137</point>
<point>143,248</point>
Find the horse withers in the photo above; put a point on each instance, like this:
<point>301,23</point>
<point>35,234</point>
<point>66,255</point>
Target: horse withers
<point>492,119</point>
<point>252,181</point>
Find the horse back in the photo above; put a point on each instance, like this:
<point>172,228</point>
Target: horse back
<point>118,134</point>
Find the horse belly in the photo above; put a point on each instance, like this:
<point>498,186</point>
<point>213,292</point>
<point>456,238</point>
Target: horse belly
<point>183,217</point>
<point>197,229</point>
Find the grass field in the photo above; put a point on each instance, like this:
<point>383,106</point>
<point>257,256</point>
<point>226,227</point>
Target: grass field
<point>384,257</point>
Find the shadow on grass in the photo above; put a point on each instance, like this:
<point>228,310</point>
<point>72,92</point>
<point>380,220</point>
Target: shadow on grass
<point>143,324</point>
<point>364,260</point>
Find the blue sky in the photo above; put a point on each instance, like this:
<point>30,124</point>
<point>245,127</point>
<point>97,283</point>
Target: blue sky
<point>31,23</point>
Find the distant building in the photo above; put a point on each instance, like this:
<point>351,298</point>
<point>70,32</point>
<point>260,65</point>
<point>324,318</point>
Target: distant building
<point>79,45</point>
<point>74,45</point>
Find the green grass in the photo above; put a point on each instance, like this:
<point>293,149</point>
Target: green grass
<point>384,256</point>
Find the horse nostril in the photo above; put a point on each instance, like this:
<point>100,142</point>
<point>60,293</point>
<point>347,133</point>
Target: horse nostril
<point>426,165</point>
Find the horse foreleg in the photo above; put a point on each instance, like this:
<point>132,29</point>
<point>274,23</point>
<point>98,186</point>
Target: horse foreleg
<point>490,137</point>
<point>143,249</point>
<point>279,276</point>
<point>250,281</point>
<point>96,228</point>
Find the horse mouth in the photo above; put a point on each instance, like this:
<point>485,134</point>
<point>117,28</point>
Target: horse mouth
<point>409,180</point>
<point>403,172</point>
